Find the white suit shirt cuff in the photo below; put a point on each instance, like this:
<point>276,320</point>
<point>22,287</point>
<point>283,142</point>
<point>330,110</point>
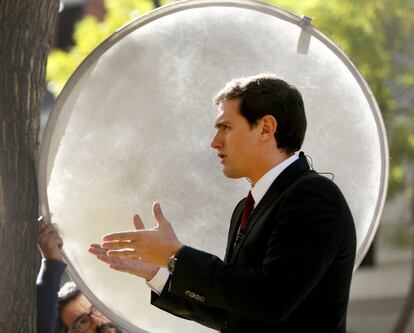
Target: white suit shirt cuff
<point>159,280</point>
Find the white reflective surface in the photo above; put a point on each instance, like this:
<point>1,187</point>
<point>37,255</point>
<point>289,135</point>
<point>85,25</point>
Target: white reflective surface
<point>135,123</point>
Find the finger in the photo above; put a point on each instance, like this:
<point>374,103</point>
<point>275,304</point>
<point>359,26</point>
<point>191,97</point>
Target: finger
<point>49,229</point>
<point>157,214</point>
<point>138,222</point>
<point>116,245</point>
<point>100,253</point>
<point>41,224</point>
<point>97,250</point>
<point>47,239</point>
<point>94,245</point>
<point>118,236</point>
<point>124,253</point>
<point>108,260</point>
<point>52,238</point>
<point>48,232</point>
<point>50,242</point>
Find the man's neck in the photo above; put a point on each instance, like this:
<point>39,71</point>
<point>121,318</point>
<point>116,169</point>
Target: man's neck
<point>269,162</point>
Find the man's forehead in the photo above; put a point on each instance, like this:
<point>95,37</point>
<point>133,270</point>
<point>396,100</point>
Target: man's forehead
<point>220,115</point>
<point>226,110</point>
<point>79,304</point>
<point>231,103</point>
<point>222,119</point>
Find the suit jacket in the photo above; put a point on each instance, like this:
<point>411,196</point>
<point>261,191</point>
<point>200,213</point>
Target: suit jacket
<point>290,273</point>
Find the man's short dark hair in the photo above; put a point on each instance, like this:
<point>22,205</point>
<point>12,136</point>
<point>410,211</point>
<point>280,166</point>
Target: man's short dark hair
<point>266,94</point>
<point>67,293</point>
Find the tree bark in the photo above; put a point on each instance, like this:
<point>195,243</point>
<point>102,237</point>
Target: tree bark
<point>408,307</point>
<point>25,30</point>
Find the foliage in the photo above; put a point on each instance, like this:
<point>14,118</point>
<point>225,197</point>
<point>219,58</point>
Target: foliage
<point>378,35</point>
<point>400,236</point>
<point>89,33</point>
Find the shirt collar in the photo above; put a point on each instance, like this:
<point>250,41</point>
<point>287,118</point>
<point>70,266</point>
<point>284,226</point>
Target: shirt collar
<point>261,187</point>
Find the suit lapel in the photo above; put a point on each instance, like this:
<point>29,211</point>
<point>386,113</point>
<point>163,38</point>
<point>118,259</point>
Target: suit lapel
<point>234,224</point>
<point>280,184</point>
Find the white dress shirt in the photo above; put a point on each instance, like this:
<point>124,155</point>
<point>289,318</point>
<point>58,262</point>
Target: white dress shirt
<point>263,184</point>
<point>159,280</point>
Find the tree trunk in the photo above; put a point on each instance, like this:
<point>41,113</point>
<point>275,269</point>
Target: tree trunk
<point>25,30</point>
<point>408,306</point>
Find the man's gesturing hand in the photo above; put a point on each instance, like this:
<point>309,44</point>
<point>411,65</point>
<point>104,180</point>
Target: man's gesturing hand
<point>131,266</point>
<point>153,246</point>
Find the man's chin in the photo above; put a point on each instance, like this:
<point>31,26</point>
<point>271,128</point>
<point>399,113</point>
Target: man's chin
<point>231,174</point>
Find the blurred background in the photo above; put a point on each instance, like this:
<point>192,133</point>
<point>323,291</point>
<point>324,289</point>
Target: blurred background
<point>378,35</point>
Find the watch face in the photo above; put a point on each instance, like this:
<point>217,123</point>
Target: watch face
<point>171,264</point>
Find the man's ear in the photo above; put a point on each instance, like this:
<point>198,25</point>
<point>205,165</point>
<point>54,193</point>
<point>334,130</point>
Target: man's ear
<point>268,128</point>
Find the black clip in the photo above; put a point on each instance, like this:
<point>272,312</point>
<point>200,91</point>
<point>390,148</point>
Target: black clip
<point>239,237</point>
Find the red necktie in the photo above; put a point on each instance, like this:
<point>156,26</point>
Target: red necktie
<point>247,210</point>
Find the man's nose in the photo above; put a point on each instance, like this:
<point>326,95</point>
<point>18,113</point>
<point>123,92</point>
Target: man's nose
<point>99,320</point>
<point>216,143</point>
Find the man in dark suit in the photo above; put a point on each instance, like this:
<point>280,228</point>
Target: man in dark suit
<point>291,243</point>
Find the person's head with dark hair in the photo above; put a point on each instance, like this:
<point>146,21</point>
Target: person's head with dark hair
<point>266,94</point>
<point>261,122</point>
<point>78,315</point>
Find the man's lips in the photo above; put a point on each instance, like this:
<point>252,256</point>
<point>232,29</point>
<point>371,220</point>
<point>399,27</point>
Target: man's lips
<point>221,156</point>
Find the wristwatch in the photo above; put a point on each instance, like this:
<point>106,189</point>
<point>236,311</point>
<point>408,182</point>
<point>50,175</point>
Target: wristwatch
<point>171,263</point>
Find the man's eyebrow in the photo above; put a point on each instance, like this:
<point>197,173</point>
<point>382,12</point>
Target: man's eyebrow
<point>220,124</point>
